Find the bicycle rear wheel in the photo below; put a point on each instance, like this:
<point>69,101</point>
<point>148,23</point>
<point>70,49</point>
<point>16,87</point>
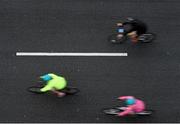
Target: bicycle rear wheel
<point>146,38</point>
<point>70,90</point>
<point>145,113</point>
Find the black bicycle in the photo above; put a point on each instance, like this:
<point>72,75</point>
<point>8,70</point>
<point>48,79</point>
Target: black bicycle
<point>116,110</point>
<point>144,38</point>
<point>67,90</point>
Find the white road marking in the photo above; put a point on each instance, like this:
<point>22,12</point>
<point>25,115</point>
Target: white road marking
<point>68,54</point>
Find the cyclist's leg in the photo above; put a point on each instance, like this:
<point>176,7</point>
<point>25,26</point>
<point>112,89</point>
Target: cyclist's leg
<point>133,36</point>
<point>58,89</point>
<point>58,92</point>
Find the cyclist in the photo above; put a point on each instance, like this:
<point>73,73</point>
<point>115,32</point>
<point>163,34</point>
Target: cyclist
<point>54,83</point>
<point>132,28</point>
<point>133,105</point>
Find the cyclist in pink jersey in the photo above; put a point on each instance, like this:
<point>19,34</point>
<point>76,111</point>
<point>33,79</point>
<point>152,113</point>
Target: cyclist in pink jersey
<point>133,105</point>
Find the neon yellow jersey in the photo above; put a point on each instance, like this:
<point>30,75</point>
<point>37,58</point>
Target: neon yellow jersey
<point>57,83</point>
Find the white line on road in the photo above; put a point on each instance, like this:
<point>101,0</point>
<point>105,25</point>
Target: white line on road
<point>68,54</point>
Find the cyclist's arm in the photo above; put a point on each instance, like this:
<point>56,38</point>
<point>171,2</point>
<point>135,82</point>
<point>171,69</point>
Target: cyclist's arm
<point>48,87</point>
<point>126,112</point>
<point>132,33</point>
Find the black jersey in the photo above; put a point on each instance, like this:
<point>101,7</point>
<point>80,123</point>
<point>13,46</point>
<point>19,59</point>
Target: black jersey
<point>135,25</point>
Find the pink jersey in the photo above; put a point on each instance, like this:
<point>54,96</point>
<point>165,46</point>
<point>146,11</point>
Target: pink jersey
<point>139,106</point>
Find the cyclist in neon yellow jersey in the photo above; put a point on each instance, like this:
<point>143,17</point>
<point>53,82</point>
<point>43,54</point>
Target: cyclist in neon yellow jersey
<point>54,83</point>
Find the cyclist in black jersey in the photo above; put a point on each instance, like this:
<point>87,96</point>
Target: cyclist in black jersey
<point>132,28</point>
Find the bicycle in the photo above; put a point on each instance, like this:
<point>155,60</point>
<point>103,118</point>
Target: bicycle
<point>67,90</point>
<point>116,110</point>
<point>119,37</point>
<point>144,38</point>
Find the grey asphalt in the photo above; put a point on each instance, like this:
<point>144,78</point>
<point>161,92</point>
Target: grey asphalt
<point>151,72</point>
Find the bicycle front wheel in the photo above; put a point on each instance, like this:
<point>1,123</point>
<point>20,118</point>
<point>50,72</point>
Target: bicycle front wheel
<point>111,111</point>
<point>35,89</point>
